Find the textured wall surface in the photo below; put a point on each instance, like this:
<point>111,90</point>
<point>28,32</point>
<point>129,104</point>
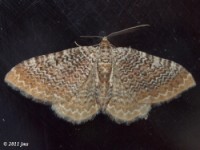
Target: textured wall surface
<point>30,28</point>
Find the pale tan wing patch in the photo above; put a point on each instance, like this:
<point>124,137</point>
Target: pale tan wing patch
<point>140,80</point>
<point>82,106</point>
<point>60,79</point>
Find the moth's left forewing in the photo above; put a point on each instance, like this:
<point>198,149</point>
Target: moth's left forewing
<point>140,80</point>
<point>163,79</point>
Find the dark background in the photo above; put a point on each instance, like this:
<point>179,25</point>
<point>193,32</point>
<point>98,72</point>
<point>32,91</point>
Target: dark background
<point>31,27</point>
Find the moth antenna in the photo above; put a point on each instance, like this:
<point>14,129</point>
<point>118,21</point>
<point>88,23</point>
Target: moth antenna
<point>127,30</point>
<point>92,37</point>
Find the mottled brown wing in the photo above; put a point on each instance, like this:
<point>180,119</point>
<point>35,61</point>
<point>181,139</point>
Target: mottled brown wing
<point>140,80</point>
<point>63,79</point>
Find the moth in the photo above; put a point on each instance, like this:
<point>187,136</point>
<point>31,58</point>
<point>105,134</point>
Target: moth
<point>83,81</point>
